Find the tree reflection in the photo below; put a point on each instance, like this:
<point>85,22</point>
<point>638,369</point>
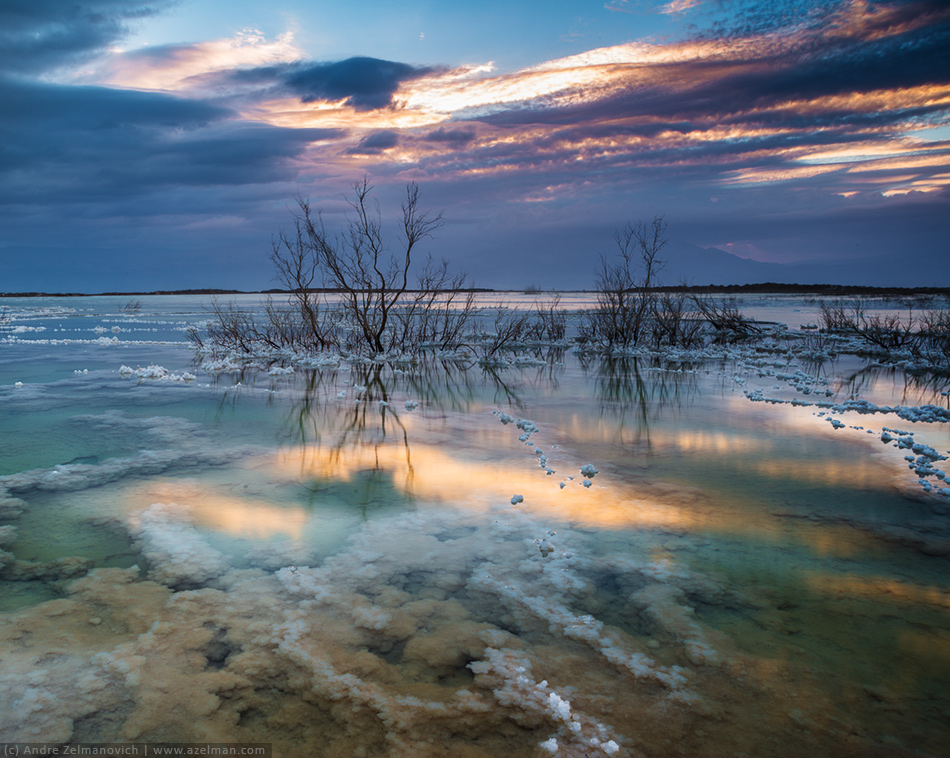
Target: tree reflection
<point>334,412</point>
<point>912,389</point>
<point>633,392</point>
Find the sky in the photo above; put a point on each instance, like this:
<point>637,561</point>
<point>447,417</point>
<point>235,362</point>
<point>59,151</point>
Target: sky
<point>162,144</point>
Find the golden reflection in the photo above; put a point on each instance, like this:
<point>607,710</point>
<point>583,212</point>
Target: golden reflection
<point>878,589</point>
<point>692,441</point>
<point>237,516</point>
<point>865,474</point>
<point>432,474</point>
<point>755,451</point>
<point>932,645</point>
<point>585,429</point>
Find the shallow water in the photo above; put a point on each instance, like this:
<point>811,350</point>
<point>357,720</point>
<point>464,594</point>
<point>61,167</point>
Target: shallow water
<point>286,559</point>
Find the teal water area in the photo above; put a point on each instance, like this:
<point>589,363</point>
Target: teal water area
<point>305,560</point>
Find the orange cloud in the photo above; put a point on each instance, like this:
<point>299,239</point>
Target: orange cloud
<point>643,103</point>
<point>182,68</point>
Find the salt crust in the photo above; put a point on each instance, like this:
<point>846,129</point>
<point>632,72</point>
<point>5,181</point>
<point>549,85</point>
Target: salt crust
<point>153,371</point>
<point>83,673</point>
<point>434,631</point>
<point>179,557</point>
<point>123,659</point>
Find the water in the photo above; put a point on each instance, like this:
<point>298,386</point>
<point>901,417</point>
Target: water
<point>286,559</point>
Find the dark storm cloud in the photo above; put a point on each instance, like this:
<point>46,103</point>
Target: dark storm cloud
<point>375,143</point>
<point>38,35</point>
<point>451,136</point>
<point>91,108</point>
<point>92,141</point>
<point>365,83</point>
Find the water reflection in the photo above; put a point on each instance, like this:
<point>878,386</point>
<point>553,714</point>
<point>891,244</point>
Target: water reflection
<point>367,580</point>
<point>239,514</point>
<point>889,385</point>
<point>633,392</point>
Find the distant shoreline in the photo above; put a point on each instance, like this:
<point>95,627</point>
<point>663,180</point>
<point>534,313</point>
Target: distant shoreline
<point>764,288</point>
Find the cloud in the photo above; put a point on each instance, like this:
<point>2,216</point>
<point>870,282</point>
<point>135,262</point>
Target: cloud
<point>720,109</point>
<point>41,35</point>
<point>679,6</point>
<point>723,108</point>
<point>753,17</point>
<point>197,67</point>
<point>364,83</point>
<point>121,144</point>
<point>811,109</point>
<point>717,77</point>
<point>91,108</point>
<point>376,143</point>
<point>452,136</point>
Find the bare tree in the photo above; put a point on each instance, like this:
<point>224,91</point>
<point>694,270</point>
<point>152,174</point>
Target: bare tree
<point>625,298</point>
<point>232,328</point>
<point>297,263</point>
<point>378,312</point>
<point>935,335</point>
<point>549,323</point>
<point>842,317</point>
<point>371,277</point>
<point>438,310</point>
<point>887,332</point>
<point>673,323</point>
<point>725,317</point>
<point>508,330</point>
<point>645,239</point>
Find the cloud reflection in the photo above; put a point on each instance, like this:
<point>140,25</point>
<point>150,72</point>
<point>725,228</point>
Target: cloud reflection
<point>237,515</point>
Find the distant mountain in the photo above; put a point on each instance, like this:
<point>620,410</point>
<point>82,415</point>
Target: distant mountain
<point>695,265</point>
<point>512,263</point>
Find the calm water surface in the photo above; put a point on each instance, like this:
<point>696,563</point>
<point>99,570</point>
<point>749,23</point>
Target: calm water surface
<point>305,560</point>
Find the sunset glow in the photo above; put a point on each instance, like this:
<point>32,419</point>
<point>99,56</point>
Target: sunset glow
<point>666,109</point>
